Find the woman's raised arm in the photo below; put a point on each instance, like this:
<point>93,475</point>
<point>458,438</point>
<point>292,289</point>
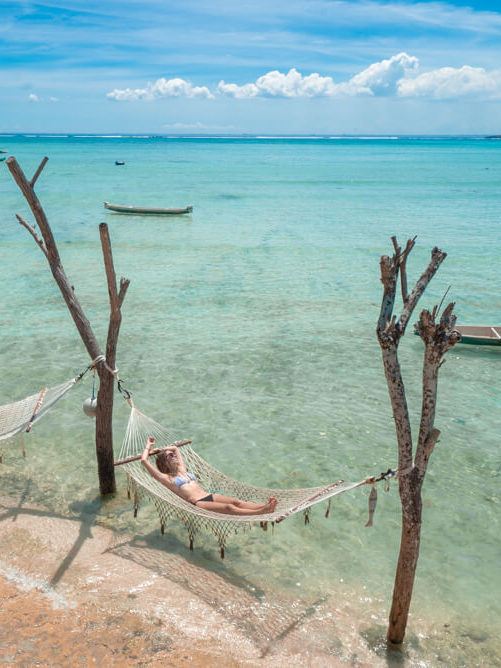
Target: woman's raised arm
<point>152,470</point>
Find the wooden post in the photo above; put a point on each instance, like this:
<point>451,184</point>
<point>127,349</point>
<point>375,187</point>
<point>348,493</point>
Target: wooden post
<point>438,337</point>
<point>47,244</point>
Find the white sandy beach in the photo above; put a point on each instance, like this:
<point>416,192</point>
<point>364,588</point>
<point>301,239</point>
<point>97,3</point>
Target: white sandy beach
<point>77,594</point>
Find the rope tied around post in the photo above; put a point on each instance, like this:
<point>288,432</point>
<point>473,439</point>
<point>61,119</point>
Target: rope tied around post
<point>124,391</point>
<point>101,359</point>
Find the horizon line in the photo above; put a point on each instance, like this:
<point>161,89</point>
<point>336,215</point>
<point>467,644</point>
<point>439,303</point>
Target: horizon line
<point>244,135</point>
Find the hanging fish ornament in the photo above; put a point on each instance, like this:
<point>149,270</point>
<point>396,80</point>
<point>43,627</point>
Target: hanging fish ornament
<point>372,505</point>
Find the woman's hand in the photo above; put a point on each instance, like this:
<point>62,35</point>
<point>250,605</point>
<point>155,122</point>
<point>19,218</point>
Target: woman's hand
<point>150,441</point>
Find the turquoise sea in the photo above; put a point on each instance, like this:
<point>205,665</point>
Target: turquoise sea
<point>249,326</point>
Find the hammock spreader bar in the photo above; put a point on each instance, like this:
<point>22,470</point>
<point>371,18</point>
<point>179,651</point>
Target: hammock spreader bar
<point>155,451</point>
<point>41,397</point>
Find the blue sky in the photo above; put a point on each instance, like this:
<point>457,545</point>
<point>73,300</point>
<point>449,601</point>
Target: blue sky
<point>254,66</point>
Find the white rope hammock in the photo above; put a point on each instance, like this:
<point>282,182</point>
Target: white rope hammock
<point>171,506</point>
<point>21,415</point>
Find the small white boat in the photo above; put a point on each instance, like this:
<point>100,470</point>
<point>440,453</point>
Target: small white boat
<point>143,210</point>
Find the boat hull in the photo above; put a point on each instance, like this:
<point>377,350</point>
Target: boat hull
<point>480,336</point>
<point>146,211</point>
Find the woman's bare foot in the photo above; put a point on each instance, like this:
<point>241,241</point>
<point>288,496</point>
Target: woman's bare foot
<point>270,506</point>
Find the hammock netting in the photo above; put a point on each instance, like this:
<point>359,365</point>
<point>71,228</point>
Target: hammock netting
<point>21,415</point>
<point>171,506</point>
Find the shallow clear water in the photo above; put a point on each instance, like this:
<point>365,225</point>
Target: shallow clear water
<point>250,327</point>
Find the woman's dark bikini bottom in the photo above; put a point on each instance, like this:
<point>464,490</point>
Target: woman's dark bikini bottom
<point>209,497</point>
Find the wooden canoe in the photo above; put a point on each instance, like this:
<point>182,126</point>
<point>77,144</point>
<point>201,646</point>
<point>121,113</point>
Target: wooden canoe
<point>143,210</point>
<point>480,335</point>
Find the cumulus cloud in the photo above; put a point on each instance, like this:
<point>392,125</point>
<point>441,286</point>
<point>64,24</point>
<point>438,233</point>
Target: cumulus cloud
<point>380,78</point>
<point>278,84</point>
<point>234,90</point>
<point>450,82</point>
<point>161,88</point>
<point>33,97</point>
<point>395,76</point>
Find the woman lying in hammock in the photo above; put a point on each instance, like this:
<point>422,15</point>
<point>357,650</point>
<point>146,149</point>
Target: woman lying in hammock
<point>171,472</point>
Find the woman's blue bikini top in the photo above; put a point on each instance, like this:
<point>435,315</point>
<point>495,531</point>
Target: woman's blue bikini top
<point>181,480</point>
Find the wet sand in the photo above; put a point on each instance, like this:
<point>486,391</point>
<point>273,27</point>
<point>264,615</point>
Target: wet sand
<point>32,632</point>
<point>77,594</point>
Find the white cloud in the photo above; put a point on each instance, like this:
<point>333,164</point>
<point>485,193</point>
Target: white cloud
<point>32,97</point>
<point>450,82</point>
<point>197,126</point>
<point>161,88</point>
<point>380,78</point>
<point>395,76</point>
<point>278,84</point>
<point>234,90</point>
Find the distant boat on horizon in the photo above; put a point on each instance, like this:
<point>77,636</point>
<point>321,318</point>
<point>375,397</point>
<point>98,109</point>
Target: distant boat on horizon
<point>119,162</point>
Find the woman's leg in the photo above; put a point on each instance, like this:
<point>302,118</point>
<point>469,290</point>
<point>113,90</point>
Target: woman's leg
<point>231,509</point>
<point>240,503</point>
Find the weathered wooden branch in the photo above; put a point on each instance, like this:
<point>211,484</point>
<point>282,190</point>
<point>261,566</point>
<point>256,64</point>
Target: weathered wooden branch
<point>403,265</point>
<point>389,272</point>
<point>76,311</point>
<point>33,233</point>
<point>38,172</point>
<point>438,338</point>
<point>389,328</point>
<point>399,406</point>
<point>104,409</point>
<point>124,284</point>
<point>437,257</point>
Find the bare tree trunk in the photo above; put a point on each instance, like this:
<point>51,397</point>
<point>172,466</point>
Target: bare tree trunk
<point>406,568</point>
<point>104,414</point>
<point>47,244</point>
<point>438,338</point>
